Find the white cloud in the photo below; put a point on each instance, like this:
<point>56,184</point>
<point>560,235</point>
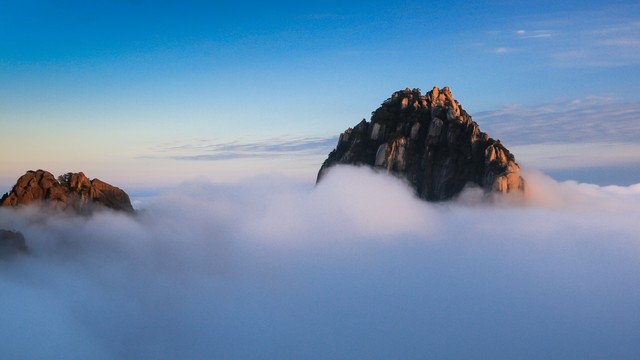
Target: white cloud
<point>502,50</point>
<point>533,34</point>
<point>353,268</point>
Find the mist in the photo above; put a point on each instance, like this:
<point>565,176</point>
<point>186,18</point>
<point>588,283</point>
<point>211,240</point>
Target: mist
<point>356,267</point>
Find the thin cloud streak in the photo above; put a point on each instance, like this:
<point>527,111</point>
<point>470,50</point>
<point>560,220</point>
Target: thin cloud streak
<point>533,34</point>
<point>502,50</point>
<point>209,150</point>
<point>575,156</point>
<point>594,119</point>
<point>603,39</point>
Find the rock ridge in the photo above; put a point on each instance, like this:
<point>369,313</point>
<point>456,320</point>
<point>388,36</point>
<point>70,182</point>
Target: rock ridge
<point>432,142</point>
<point>72,191</point>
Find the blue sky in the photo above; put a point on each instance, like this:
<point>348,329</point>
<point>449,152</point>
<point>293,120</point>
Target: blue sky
<point>138,92</point>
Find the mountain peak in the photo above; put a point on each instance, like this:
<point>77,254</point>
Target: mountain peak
<point>432,142</point>
<point>69,191</point>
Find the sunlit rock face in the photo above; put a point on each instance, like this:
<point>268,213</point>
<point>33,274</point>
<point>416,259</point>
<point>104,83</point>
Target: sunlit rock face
<point>433,143</point>
<point>72,191</point>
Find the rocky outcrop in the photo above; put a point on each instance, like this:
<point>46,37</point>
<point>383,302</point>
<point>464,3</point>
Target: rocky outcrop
<point>432,142</point>
<point>70,191</point>
<point>12,243</point>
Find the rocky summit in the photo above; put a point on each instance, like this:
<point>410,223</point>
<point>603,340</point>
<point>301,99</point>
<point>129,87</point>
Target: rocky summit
<point>430,141</point>
<point>72,191</point>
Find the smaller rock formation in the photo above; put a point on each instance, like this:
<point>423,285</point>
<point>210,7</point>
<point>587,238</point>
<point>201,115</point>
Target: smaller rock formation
<point>11,244</point>
<point>69,191</point>
<point>430,141</point>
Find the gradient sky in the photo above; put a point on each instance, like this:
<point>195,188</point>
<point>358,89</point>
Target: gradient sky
<point>203,107</point>
<point>145,93</point>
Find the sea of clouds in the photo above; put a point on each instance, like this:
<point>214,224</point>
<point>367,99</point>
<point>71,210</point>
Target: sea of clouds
<point>354,268</point>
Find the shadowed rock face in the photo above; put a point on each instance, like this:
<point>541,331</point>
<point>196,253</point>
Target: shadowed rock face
<point>70,191</point>
<point>12,243</point>
<point>432,142</point>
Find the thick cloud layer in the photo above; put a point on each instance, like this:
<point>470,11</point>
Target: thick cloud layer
<point>353,268</point>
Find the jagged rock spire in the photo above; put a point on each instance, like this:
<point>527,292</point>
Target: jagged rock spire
<point>432,142</point>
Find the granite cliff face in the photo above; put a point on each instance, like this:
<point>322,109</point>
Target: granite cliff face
<point>432,142</point>
<point>70,191</point>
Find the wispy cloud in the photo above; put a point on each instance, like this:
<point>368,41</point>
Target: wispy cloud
<point>590,119</point>
<point>590,39</point>
<point>212,150</point>
<point>610,43</point>
<point>533,34</point>
<point>503,42</point>
<point>570,156</point>
<point>502,50</point>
